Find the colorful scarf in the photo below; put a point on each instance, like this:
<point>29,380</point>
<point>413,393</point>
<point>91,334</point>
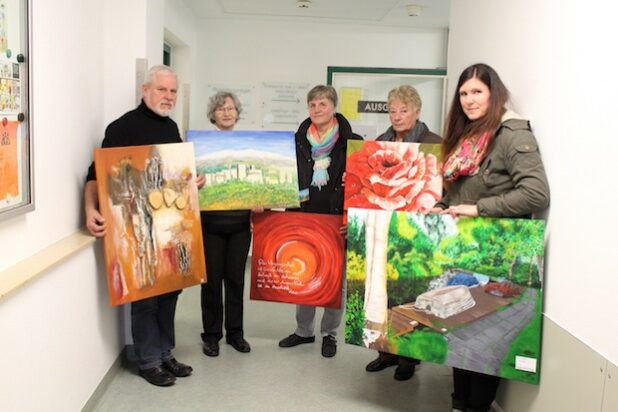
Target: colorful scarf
<point>466,158</point>
<point>320,152</point>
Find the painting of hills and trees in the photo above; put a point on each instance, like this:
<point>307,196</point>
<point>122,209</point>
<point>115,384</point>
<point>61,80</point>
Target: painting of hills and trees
<point>465,292</point>
<point>245,169</point>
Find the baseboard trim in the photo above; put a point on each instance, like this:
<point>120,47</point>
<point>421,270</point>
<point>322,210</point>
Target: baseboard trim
<point>105,382</point>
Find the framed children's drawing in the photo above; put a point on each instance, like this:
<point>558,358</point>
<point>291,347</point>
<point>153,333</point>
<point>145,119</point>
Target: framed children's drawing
<point>16,186</point>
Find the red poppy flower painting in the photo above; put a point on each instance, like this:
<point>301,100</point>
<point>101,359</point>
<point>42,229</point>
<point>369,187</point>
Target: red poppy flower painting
<point>392,176</point>
<point>297,258</point>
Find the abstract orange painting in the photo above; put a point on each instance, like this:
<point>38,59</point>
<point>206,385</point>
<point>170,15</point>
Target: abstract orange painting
<point>297,258</point>
<point>9,169</point>
<point>148,197</point>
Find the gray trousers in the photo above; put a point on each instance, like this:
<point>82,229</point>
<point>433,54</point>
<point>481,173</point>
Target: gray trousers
<point>331,319</point>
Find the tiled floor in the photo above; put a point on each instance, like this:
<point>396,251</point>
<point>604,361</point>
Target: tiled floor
<point>274,379</point>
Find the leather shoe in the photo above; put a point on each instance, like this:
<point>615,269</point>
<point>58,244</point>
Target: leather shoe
<point>295,340</point>
<point>239,343</point>
<point>158,376</point>
<point>180,370</point>
<point>211,348</point>
<point>404,372</point>
<point>383,361</point>
<point>329,346</point>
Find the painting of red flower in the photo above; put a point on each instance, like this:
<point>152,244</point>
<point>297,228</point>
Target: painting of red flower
<point>392,176</point>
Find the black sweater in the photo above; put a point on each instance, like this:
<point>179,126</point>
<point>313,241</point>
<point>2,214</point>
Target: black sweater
<point>138,127</point>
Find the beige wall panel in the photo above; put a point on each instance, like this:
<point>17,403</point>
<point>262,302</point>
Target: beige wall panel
<point>610,394</point>
<point>572,378</point>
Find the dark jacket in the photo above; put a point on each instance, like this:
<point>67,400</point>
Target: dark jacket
<point>335,170</point>
<point>419,134</point>
<point>138,127</point>
<point>511,181</point>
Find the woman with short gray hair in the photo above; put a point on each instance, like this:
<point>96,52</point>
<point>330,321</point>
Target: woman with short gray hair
<point>224,110</point>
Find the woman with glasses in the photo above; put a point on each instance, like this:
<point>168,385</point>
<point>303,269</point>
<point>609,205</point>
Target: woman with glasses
<point>227,236</point>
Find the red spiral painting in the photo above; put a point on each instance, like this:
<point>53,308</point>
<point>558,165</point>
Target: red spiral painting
<point>297,258</point>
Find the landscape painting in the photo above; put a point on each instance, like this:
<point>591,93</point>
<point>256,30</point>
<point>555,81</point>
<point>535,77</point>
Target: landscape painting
<point>245,169</point>
<point>392,176</point>
<point>153,241</point>
<point>465,292</point>
<point>297,258</point>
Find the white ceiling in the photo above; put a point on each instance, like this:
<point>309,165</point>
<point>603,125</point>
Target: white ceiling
<point>434,14</point>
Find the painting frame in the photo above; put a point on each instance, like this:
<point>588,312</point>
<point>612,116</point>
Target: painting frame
<point>244,169</point>
<point>16,53</point>
<point>297,258</point>
<point>459,291</point>
<point>153,242</point>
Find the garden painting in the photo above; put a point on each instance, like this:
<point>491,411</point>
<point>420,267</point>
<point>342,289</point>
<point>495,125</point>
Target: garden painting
<point>153,241</point>
<point>392,176</point>
<point>297,258</point>
<point>465,292</point>
<point>245,169</point>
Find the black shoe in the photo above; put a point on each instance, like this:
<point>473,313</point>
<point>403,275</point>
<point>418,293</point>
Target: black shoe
<point>180,370</point>
<point>211,348</point>
<point>329,346</point>
<point>382,362</point>
<point>158,376</point>
<point>404,372</point>
<point>295,340</point>
<point>239,343</point>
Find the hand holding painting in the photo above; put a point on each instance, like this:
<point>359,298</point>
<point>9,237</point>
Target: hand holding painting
<point>460,210</point>
<point>94,220</point>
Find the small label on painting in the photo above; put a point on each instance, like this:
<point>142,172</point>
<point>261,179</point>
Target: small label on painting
<point>523,363</point>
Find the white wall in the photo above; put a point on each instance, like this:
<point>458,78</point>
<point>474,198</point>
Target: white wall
<point>557,58</point>
<point>59,333</point>
<point>180,30</point>
<point>247,52</point>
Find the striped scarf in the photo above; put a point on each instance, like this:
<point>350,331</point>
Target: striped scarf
<point>320,152</point>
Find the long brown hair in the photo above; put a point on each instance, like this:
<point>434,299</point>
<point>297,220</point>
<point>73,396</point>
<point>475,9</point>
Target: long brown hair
<point>457,123</point>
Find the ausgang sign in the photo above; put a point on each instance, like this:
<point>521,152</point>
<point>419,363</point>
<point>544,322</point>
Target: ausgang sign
<point>366,106</point>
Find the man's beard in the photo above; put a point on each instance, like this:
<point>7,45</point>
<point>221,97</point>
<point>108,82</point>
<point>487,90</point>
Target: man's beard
<point>163,112</point>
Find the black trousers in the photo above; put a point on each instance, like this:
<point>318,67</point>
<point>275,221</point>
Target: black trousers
<point>226,256</point>
<point>473,391</point>
<point>401,360</point>
<point>152,327</point>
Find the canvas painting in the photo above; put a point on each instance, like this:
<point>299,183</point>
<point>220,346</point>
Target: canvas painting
<point>392,175</point>
<point>465,292</point>
<point>245,169</point>
<point>297,258</point>
<point>148,197</point>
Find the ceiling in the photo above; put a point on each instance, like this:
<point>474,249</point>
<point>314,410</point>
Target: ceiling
<point>434,13</point>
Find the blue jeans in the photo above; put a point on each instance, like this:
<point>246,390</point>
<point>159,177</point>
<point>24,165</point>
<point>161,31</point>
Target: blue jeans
<point>152,327</point>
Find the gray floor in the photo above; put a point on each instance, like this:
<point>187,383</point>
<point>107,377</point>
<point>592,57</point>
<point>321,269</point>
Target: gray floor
<point>274,379</point>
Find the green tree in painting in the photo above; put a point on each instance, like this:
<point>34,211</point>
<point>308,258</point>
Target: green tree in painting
<point>354,319</point>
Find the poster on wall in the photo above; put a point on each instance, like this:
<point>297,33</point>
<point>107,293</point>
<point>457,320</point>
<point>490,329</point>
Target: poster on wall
<point>284,105</point>
<point>464,292</point>
<point>392,175</point>
<point>246,169</point>
<point>16,192</point>
<point>297,258</point>
<point>148,197</point>
<point>363,94</point>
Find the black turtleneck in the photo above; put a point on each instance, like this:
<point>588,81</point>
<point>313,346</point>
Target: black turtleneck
<point>138,127</point>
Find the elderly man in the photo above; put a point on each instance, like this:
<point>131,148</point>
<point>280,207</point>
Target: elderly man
<point>152,319</point>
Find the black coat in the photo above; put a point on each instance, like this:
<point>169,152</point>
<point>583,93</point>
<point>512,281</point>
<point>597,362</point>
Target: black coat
<point>335,170</point>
